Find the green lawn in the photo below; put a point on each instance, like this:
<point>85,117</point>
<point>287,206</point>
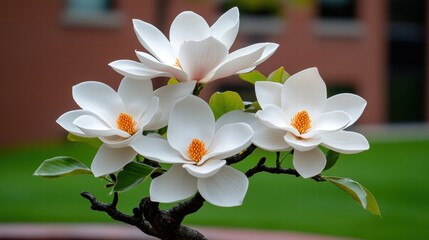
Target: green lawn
<point>395,172</point>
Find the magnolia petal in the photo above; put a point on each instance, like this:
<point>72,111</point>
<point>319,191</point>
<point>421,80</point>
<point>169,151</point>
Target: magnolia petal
<point>236,116</point>
<point>154,64</point>
<point>66,121</point>
<point>268,93</point>
<point>100,99</point>
<point>328,122</point>
<point>270,139</point>
<point>304,90</point>
<point>93,126</point>
<point>235,62</point>
<point>157,149</point>
<point>208,169</point>
<point>352,104</point>
<point>187,26</point>
<point>136,95</point>
<point>301,144</point>
<point>345,142</point>
<point>109,160</point>
<point>190,118</point>
<point>269,50</point>
<point>149,114</point>
<point>154,41</point>
<point>225,29</point>
<point>272,116</point>
<point>228,141</point>
<point>174,185</point>
<point>227,188</point>
<point>168,96</point>
<point>309,163</point>
<point>198,58</point>
<point>136,70</point>
<point>120,142</point>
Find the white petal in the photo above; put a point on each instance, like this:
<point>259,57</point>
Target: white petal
<point>99,99</point>
<point>66,121</point>
<point>198,58</point>
<point>352,104</point>
<point>268,93</point>
<point>154,41</point>
<point>236,61</point>
<point>208,169</point>
<point>226,27</point>
<point>93,126</point>
<point>120,142</point>
<point>309,163</point>
<point>136,70</point>
<point>136,95</point>
<point>270,139</point>
<point>187,26</point>
<point>328,122</point>
<point>157,149</point>
<point>301,144</point>
<point>109,160</point>
<point>228,141</point>
<point>272,116</point>
<point>149,114</point>
<point>168,96</point>
<point>236,116</point>
<point>345,142</point>
<point>190,118</point>
<point>269,50</point>
<point>174,185</point>
<point>154,64</point>
<point>227,188</point>
<point>304,90</point>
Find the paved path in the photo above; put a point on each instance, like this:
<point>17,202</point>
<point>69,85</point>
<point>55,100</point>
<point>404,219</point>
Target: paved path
<point>119,231</point>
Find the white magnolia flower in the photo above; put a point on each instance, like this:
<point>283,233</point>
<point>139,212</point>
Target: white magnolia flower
<point>117,118</point>
<point>195,51</point>
<point>297,115</point>
<point>197,149</point>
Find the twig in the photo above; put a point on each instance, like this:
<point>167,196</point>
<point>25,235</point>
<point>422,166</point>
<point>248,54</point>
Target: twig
<point>241,156</point>
<point>260,167</point>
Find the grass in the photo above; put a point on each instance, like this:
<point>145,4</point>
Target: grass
<point>395,172</point>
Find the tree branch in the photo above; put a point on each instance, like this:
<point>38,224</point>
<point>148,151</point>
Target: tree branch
<point>241,156</point>
<point>261,167</point>
<point>153,221</point>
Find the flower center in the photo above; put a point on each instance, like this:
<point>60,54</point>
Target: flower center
<point>301,122</point>
<point>126,123</point>
<point>197,149</point>
<point>177,64</point>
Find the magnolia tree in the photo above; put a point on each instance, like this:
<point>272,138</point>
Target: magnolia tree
<point>188,147</point>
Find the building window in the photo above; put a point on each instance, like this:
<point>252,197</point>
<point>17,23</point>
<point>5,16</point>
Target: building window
<point>337,9</point>
<point>91,14</point>
<point>259,20</point>
<point>338,19</point>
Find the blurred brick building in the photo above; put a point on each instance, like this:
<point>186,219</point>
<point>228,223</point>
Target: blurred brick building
<point>377,49</point>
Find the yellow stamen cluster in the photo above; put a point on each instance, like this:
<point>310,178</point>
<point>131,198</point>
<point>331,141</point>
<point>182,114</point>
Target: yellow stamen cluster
<point>196,150</point>
<point>177,64</point>
<point>126,123</point>
<point>301,122</point>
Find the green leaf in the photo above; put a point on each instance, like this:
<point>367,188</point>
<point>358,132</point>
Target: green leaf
<point>133,174</point>
<point>172,81</point>
<point>252,77</point>
<point>224,102</point>
<point>94,142</point>
<point>61,166</point>
<point>331,159</point>
<point>253,107</point>
<point>279,75</point>
<point>358,192</point>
